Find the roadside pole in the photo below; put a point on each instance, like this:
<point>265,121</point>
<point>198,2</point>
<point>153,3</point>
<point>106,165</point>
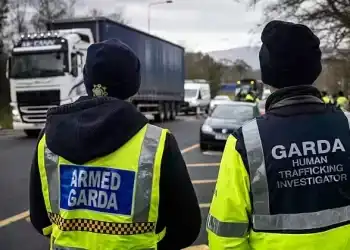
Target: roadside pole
<point>198,112</point>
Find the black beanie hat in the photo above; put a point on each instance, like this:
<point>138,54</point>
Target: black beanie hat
<point>112,69</point>
<point>290,55</point>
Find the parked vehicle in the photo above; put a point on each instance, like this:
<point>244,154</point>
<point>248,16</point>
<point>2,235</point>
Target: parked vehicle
<point>223,121</point>
<point>46,70</point>
<point>197,95</point>
<point>219,99</point>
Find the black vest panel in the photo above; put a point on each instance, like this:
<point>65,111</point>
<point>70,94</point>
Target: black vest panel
<point>307,159</point>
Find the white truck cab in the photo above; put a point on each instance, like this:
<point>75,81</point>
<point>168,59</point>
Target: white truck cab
<point>197,95</point>
<point>45,71</point>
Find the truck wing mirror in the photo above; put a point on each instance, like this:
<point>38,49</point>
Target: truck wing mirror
<point>74,60</point>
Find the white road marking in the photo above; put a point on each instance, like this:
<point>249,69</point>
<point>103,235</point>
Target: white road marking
<point>212,153</point>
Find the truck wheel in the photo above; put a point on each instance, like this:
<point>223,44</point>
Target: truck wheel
<point>207,110</point>
<point>161,115</point>
<point>32,133</point>
<point>172,111</point>
<point>167,111</point>
<point>203,146</point>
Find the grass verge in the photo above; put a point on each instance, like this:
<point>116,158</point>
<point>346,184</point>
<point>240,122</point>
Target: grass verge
<point>5,117</point>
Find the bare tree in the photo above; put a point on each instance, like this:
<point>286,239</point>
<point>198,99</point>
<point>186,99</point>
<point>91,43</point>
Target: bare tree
<point>242,67</point>
<point>4,10</point>
<point>71,7</point>
<point>117,15</point>
<point>49,10</point>
<point>329,18</point>
<point>18,14</point>
<point>95,12</point>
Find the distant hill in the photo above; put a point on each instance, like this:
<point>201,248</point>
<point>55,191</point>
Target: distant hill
<point>249,54</point>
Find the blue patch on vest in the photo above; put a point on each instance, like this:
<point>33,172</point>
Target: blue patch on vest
<point>100,189</point>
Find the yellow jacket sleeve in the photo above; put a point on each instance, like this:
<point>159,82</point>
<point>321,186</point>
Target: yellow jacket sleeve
<point>228,219</point>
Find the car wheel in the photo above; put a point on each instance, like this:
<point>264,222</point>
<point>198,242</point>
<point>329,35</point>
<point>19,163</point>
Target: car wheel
<point>203,146</point>
<point>32,133</point>
<point>207,110</point>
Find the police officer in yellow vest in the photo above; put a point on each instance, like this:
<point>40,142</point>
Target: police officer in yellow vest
<point>102,176</point>
<point>341,100</point>
<point>249,97</point>
<point>325,98</point>
<point>283,181</point>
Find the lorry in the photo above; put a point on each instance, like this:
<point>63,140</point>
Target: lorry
<point>46,70</point>
<point>197,96</point>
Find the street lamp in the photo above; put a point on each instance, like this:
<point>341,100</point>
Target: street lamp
<point>149,10</point>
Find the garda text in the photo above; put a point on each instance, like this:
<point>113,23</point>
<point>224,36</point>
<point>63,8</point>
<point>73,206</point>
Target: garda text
<point>310,163</point>
<point>100,189</point>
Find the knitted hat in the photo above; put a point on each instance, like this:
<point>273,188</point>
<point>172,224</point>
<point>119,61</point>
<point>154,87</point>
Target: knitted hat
<point>290,55</point>
<point>112,69</point>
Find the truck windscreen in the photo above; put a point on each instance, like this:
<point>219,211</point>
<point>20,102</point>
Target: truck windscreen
<point>243,89</point>
<point>46,64</point>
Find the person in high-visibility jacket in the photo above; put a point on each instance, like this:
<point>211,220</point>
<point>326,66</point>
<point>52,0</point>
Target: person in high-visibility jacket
<point>342,101</point>
<point>283,181</point>
<point>325,98</point>
<point>102,176</point>
<point>249,97</point>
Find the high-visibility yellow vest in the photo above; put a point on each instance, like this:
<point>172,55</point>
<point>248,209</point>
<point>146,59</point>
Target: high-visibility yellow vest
<point>249,97</point>
<point>240,216</point>
<point>326,99</point>
<point>107,203</point>
<point>342,101</point>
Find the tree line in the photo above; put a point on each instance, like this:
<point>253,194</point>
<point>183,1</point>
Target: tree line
<point>202,66</point>
<point>330,20</point>
<point>33,15</point>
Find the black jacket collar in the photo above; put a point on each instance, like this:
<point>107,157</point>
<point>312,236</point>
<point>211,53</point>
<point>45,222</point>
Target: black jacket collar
<point>293,96</point>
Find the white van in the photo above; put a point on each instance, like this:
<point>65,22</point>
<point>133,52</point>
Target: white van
<point>197,94</point>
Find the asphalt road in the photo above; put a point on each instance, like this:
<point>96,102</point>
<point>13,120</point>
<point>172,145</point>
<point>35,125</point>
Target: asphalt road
<point>16,153</point>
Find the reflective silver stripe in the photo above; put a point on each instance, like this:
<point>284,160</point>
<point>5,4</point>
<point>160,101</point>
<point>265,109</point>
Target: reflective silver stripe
<point>256,161</point>
<point>227,229</point>
<point>302,221</point>
<point>51,164</point>
<point>262,219</point>
<point>144,179</point>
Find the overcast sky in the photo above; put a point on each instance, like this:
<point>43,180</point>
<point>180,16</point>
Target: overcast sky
<point>204,25</point>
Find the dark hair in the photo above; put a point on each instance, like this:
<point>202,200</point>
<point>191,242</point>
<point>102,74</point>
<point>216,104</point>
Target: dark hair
<point>340,93</point>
